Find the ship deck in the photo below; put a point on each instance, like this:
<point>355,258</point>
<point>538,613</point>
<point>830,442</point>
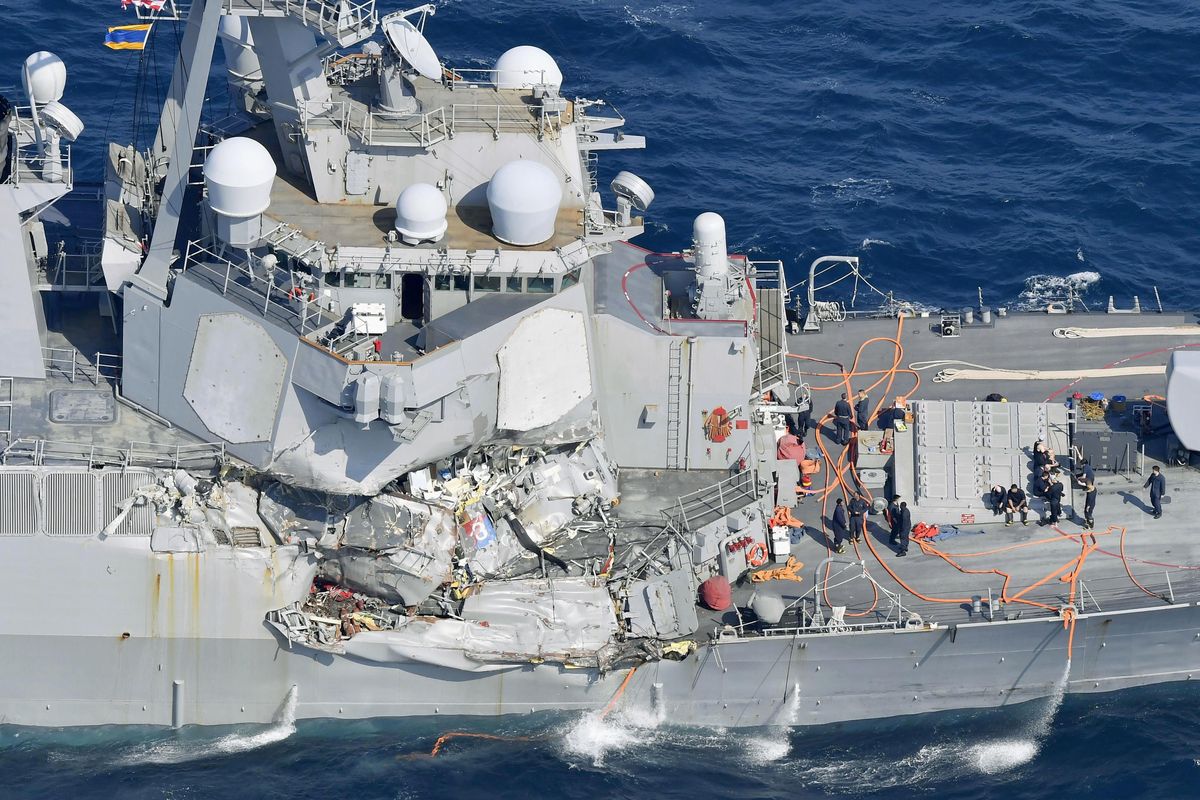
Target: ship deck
<point>1017,341</point>
<point>1163,554</point>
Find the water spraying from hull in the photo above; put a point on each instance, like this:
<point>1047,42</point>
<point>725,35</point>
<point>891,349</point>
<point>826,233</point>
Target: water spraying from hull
<point>776,743</point>
<point>1000,755</point>
<point>182,751</point>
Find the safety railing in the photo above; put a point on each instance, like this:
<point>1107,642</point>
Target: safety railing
<point>265,288</point>
<point>40,452</point>
<point>347,21</point>
<point>81,272</point>
<point>376,128</point>
<point>27,165</point>
<point>455,78</point>
<point>344,68</point>
<point>69,363</point>
<point>697,509</point>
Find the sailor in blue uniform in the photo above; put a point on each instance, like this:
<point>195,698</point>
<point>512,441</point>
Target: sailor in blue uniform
<point>1157,484</point>
<point>842,414</point>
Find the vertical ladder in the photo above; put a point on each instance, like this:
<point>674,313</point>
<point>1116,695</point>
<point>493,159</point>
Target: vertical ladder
<point>675,404</point>
<point>6,403</point>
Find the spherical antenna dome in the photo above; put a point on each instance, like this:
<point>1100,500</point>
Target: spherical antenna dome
<point>525,67</point>
<point>239,173</point>
<point>524,197</point>
<point>421,214</point>
<point>45,76</point>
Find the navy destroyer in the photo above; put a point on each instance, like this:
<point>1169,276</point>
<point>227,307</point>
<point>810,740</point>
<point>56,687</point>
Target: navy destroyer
<point>364,402</point>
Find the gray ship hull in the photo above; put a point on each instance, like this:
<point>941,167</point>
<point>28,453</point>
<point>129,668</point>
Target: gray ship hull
<point>53,680</point>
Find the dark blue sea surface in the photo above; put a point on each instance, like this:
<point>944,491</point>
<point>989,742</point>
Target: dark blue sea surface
<point>1013,147</point>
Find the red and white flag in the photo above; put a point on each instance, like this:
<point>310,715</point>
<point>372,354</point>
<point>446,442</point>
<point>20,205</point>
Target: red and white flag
<point>152,5</point>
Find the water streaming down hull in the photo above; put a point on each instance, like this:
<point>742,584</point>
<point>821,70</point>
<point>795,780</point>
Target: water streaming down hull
<point>182,750</point>
<point>1000,755</point>
<point>775,743</point>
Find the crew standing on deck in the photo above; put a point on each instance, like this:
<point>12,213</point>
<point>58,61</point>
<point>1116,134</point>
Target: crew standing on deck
<point>893,518</point>
<point>862,410</point>
<point>842,416</point>
<point>858,518</point>
<point>1054,495</point>
<point>1157,484</point>
<point>841,526</point>
<point>1087,481</point>
<point>902,530</point>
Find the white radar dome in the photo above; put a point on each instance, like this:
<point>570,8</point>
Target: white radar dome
<point>239,173</point>
<point>523,197</point>
<point>45,77</point>
<point>525,67</point>
<point>421,214</point>
<point>708,242</point>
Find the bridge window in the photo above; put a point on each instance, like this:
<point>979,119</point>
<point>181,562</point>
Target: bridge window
<point>539,285</point>
<point>487,283</point>
<point>512,284</point>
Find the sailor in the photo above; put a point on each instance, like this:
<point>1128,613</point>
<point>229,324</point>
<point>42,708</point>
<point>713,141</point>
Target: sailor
<point>1157,484</point>
<point>862,410</point>
<point>1086,478</point>
<point>842,415</point>
<point>1054,495</point>
<point>997,496</point>
<point>893,518</point>
<point>799,421</point>
<point>1016,501</point>
<point>841,526</point>
<point>1040,459</point>
<point>858,518</point>
<point>903,530</point>
<point>1041,481</point>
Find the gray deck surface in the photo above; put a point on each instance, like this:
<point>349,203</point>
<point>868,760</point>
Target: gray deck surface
<point>1018,341</point>
<point>1022,341</point>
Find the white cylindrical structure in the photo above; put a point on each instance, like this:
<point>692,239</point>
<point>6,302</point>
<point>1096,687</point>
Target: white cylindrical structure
<point>525,67</point>
<point>45,77</point>
<point>421,214</point>
<point>238,175</point>
<point>241,60</point>
<point>524,197</point>
<point>708,245</point>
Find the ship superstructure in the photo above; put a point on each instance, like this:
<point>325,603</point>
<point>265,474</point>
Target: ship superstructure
<point>365,399</point>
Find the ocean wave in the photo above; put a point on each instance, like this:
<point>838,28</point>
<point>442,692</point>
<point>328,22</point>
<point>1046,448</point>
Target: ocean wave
<point>1041,290</point>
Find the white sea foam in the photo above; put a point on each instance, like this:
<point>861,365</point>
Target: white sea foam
<point>182,751</point>
<point>1042,289</point>
<point>867,244</point>
<point>595,736</point>
<point>776,743</point>
<point>1002,755</point>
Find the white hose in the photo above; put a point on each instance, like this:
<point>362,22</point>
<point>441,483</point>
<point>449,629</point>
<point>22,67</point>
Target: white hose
<point>979,372</point>
<point>1114,333</point>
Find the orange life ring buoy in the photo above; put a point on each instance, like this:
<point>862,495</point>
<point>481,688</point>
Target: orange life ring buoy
<point>756,556</point>
<point>717,425</point>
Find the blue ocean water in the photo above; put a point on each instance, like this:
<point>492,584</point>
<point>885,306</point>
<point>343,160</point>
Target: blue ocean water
<point>1013,146</point>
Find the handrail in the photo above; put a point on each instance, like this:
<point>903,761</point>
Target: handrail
<point>721,498</point>
<point>71,364</point>
<point>136,454</point>
<point>263,291</point>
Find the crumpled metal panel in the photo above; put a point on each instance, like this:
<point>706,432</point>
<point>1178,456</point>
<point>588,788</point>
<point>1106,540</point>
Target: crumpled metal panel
<point>546,615</point>
<point>395,548</point>
<point>664,607</point>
